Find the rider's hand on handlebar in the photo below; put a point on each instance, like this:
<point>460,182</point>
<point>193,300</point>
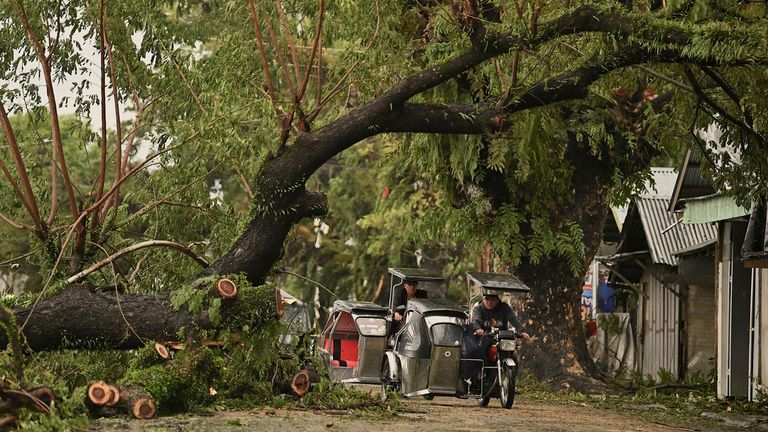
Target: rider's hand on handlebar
<point>479,332</point>
<point>526,336</point>
<point>397,316</point>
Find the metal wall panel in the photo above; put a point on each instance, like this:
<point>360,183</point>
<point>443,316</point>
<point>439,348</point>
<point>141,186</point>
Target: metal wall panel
<point>661,339</point>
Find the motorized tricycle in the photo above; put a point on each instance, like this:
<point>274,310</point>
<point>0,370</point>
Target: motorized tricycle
<point>426,359</point>
<point>497,349</point>
<point>354,340</point>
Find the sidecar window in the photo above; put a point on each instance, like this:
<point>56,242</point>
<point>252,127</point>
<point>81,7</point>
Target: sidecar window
<point>447,334</point>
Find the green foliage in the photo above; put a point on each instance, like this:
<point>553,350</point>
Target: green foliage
<point>67,373</point>
<point>180,384</point>
<point>333,395</point>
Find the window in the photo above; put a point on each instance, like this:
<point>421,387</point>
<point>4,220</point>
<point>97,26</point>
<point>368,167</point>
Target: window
<point>372,326</point>
<point>447,334</point>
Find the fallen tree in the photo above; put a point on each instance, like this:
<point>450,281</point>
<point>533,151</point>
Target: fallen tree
<point>77,316</point>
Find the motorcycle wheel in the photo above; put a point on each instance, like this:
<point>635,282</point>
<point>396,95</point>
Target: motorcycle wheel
<point>385,384</point>
<point>483,401</point>
<point>507,386</point>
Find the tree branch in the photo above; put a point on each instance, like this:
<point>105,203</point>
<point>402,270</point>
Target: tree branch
<point>138,246</point>
<point>761,142</point>
<point>45,62</point>
<point>312,53</point>
<point>291,43</point>
<point>26,195</point>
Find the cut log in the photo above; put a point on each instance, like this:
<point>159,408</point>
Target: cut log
<point>138,403</point>
<point>178,346</point>
<point>114,396</point>
<point>226,288</point>
<point>300,384</point>
<point>98,393</point>
<point>161,350</point>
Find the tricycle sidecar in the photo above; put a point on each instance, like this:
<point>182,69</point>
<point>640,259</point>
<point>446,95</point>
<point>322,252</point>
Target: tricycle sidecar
<point>427,351</point>
<point>354,340</point>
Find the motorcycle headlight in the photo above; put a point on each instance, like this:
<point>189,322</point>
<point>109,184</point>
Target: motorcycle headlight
<point>507,345</point>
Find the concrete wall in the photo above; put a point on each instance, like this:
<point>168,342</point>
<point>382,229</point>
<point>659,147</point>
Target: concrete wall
<point>701,329</point>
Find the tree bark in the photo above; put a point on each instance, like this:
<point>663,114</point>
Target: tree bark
<point>77,316</point>
<point>82,317</point>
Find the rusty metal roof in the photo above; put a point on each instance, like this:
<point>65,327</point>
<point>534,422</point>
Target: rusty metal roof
<point>665,235</point>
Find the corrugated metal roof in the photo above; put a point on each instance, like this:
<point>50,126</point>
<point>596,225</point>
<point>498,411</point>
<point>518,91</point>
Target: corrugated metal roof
<point>662,184</point>
<point>691,181</point>
<point>656,219</point>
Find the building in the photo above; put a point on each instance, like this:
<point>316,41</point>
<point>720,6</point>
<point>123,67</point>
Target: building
<point>673,312</point>
<point>738,256</point>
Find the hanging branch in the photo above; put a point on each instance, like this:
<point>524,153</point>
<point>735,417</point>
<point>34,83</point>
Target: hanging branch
<point>761,142</point>
<point>118,126</point>
<point>136,120</point>
<point>668,79</point>
<point>129,140</point>
<point>58,151</point>
<point>730,92</point>
<point>103,110</point>
<point>117,294</point>
<point>187,85</point>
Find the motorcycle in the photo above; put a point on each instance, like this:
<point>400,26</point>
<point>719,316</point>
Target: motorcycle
<point>497,376</point>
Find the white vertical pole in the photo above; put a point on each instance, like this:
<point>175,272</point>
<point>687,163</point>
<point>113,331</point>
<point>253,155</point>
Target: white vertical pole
<point>595,281</point>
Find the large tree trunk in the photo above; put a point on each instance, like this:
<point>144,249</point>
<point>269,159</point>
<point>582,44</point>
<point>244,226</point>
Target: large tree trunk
<point>82,317</point>
<point>79,314</point>
<point>553,313</point>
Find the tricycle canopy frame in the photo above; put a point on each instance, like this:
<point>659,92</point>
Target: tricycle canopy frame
<point>498,284</point>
